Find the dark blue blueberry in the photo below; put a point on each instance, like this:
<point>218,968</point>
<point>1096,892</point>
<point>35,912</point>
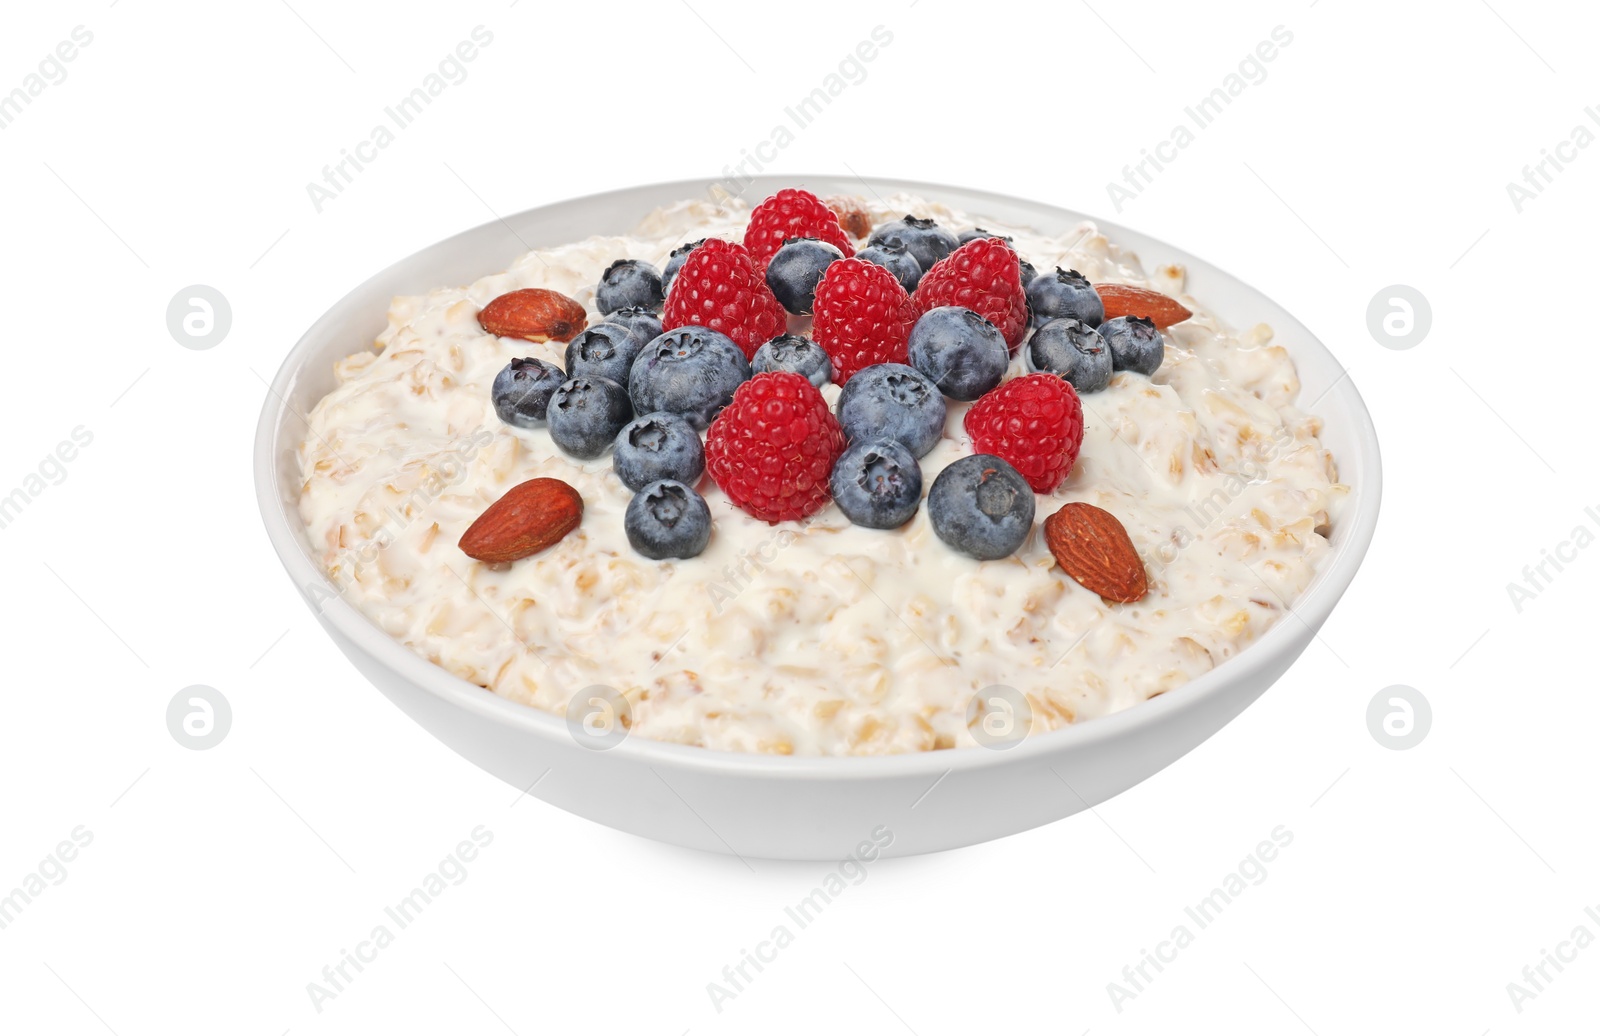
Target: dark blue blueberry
<point>1075,351</point>
<point>629,282</point>
<point>1064,293</point>
<point>1135,344</point>
<point>963,353</point>
<point>795,269</point>
<point>795,353</point>
<point>877,484</point>
<point>894,401</point>
<point>981,506</point>
<point>658,446</point>
<point>675,262</point>
<point>521,392</point>
<point>586,413</point>
<point>978,232</point>
<point>690,371</point>
<point>897,261</point>
<point>604,349</point>
<point>926,240</point>
<point>667,519</point>
<point>640,322</point>
<point>1025,273</point>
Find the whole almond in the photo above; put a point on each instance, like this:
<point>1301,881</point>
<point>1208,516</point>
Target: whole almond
<point>1127,300</point>
<point>530,517</point>
<point>1091,546</point>
<point>537,314</point>
<point>852,216</point>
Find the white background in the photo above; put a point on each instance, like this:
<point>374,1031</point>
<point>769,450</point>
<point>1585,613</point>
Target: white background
<point>219,883</point>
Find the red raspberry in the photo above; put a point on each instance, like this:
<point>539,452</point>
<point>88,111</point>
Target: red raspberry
<point>982,275</point>
<point>863,316</point>
<point>719,287</point>
<point>792,213</point>
<point>1034,422</point>
<point>772,449</point>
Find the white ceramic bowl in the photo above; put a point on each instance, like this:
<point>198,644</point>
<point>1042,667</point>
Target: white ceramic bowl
<point>799,808</point>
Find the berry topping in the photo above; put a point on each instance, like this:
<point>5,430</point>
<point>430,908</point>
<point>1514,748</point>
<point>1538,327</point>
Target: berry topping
<point>604,349</point>
<point>642,323</point>
<point>795,269</point>
<point>897,261</point>
<point>629,282</point>
<point>691,372</point>
<point>863,317</point>
<point>983,276</point>
<point>1135,344</point>
<point>586,413</point>
<point>675,260</point>
<point>773,448</point>
<point>521,392</point>
<point>667,519</point>
<point>789,214</point>
<point>981,506</point>
<point>926,240</point>
<point>1064,293</point>
<point>1073,350</point>
<point>893,401</point>
<point>1035,423</point>
<point>719,287</point>
<point>877,484</point>
<point>658,446</point>
<point>794,353</point>
<point>963,353</point>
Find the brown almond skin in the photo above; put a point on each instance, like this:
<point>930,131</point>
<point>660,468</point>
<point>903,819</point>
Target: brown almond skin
<point>1092,547</point>
<point>535,314</point>
<point>852,217</point>
<point>531,516</point>
<point>1127,300</point>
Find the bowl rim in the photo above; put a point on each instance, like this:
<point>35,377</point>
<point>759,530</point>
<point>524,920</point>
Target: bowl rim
<point>1309,611</point>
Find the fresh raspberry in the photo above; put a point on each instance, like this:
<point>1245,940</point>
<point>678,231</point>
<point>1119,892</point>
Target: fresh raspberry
<point>792,213</point>
<point>981,276</point>
<point>772,449</point>
<point>719,287</point>
<point>1035,423</point>
<point>863,316</point>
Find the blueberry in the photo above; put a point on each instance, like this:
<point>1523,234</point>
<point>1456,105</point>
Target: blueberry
<point>976,233</point>
<point>1135,344</point>
<point>795,269</point>
<point>981,506</point>
<point>897,261</point>
<point>586,413</point>
<point>629,282</point>
<point>604,349</point>
<point>877,484</point>
<point>667,519</point>
<point>1025,273</point>
<point>640,322</point>
<point>521,392</point>
<point>1064,293</point>
<point>891,400</point>
<point>795,353</point>
<point>675,262</point>
<point>963,353</point>
<point>926,240</point>
<point>690,371</point>
<point>658,446</point>
<point>1075,351</point>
